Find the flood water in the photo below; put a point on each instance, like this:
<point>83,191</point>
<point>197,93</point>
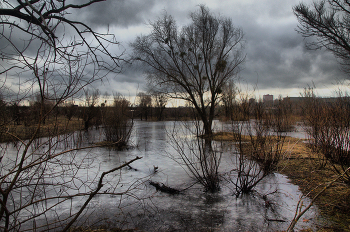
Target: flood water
<point>193,209</point>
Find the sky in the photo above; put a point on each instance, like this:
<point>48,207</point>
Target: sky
<point>277,61</point>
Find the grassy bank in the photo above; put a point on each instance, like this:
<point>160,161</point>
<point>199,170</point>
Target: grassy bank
<point>305,169</point>
<point>53,126</point>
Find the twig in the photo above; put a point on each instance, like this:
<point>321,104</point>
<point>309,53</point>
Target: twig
<point>297,215</point>
<point>92,194</point>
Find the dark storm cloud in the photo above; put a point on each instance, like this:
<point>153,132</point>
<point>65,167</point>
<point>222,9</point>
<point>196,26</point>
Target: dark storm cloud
<point>276,56</point>
<point>117,12</point>
<point>276,53</point>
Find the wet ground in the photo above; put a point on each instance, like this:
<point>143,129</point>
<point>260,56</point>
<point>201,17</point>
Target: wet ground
<point>192,209</point>
<point>269,208</point>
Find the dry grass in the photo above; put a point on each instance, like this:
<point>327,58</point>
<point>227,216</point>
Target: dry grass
<point>53,126</point>
<point>304,170</point>
<point>303,167</point>
<point>294,148</point>
<point>228,136</point>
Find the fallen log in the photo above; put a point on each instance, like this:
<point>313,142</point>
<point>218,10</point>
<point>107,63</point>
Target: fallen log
<point>275,220</point>
<point>163,188</point>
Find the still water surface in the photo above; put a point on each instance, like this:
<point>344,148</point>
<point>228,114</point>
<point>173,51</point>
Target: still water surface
<point>191,210</point>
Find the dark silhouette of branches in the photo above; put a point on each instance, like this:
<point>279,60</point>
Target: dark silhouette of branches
<point>98,188</point>
<point>194,62</point>
<point>327,23</point>
<point>43,20</point>
<point>117,124</point>
<point>51,58</point>
<point>300,211</point>
<point>198,157</point>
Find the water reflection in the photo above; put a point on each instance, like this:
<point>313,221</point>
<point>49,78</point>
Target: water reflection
<point>192,209</point>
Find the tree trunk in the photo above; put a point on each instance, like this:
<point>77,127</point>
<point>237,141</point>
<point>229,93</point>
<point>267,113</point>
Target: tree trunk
<point>207,128</point>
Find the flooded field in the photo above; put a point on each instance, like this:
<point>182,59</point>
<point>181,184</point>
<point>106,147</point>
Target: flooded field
<point>269,208</point>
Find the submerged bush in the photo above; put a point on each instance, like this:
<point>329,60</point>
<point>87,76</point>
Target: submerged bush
<point>198,157</point>
<point>116,123</point>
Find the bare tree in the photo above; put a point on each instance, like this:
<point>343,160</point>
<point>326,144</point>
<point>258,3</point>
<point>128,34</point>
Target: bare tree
<point>145,104</point>
<point>192,63</point>
<point>55,58</point>
<point>116,121</point>
<point>46,21</point>
<point>90,111</point>
<point>52,43</point>
<point>327,22</point>
<point>160,101</point>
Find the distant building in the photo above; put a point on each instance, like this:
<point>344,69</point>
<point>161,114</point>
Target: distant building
<point>299,100</point>
<point>294,99</point>
<point>268,99</point>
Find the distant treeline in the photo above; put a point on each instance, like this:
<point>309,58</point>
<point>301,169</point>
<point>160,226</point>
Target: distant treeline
<point>90,115</point>
<point>93,115</point>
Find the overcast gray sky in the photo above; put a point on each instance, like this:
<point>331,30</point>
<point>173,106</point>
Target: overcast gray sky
<point>276,59</point>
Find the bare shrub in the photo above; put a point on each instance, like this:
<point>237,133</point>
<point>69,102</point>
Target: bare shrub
<point>328,127</point>
<point>117,125</point>
<point>314,120</point>
<point>264,144</point>
<point>246,173</point>
<point>282,119</point>
<point>198,156</point>
<point>259,146</point>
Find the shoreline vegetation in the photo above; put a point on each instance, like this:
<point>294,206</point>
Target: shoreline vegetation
<point>305,168</point>
<point>53,126</point>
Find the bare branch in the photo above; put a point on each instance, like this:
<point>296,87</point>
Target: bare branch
<point>99,186</point>
<point>193,63</point>
<point>299,212</point>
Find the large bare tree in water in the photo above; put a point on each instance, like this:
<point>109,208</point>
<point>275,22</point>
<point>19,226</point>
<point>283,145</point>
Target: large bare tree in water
<point>194,62</point>
<point>45,52</point>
